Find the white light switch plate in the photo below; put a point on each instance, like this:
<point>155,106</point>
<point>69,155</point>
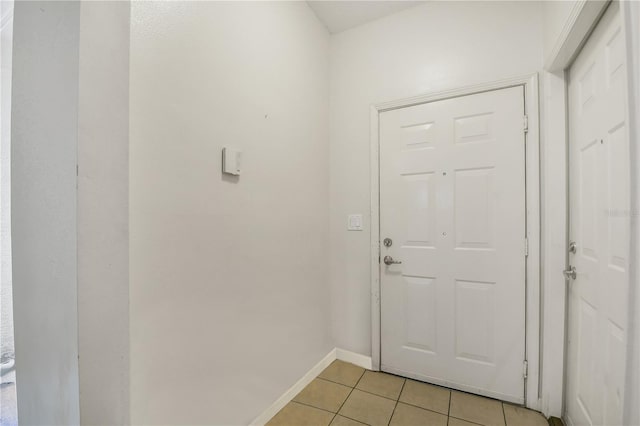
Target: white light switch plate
<point>354,222</point>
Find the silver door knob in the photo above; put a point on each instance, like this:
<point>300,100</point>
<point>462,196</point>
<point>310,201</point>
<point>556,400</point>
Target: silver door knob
<point>388,260</point>
<point>570,273</point>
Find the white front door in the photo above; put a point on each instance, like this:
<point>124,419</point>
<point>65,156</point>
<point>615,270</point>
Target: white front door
<point>599,226</point>
<point>452,202</point>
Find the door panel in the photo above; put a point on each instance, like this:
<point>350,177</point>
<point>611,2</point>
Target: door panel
<point>452,199</point>
<point>420,304</point>
<point>599,225</point>
<point>474,334</point>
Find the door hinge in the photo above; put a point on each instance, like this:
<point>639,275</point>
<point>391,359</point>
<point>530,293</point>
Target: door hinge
<point>526,247</point>
<point>526,123</point>
<point>525,368</point>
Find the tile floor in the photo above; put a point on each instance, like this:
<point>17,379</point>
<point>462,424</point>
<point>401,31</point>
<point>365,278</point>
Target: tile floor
<point>348,395</point>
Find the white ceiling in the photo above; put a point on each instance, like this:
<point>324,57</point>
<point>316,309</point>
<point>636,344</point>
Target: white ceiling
<point>340,15</point>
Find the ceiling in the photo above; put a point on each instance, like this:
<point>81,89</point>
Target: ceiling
<point>340,15</point>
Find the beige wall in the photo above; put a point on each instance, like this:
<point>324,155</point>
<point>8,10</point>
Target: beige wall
<point>229,303</point>
<point>44,132</point>
<point>103,213</point>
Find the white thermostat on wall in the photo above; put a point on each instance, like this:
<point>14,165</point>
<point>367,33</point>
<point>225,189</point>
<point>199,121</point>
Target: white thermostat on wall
<point>354,222</point>
<point>231,161</point>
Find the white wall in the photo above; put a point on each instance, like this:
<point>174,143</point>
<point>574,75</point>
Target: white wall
<point>229,303</point>
<point>554,240</point>
<point>44,143</point>
<point>103,213</point>
<point>8,404</point>
<point>428,48</point>
<point>6,297</point>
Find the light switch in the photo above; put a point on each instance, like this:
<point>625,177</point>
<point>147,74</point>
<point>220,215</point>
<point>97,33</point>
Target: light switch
<point>354,222</point>
<point>231,161</point>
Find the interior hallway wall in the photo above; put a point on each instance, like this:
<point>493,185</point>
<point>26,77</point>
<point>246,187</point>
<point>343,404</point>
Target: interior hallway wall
<point>229,304</point>
<point>103,213</point>
<point>44,143</point>
<point>428,48</point>
<point>8,404</point>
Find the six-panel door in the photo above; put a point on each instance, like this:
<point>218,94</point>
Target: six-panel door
<point>599,219</point>
<point>452,199</point>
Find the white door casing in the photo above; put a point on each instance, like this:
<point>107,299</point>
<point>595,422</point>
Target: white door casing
<point>599,225</point>
<point>452,199</point>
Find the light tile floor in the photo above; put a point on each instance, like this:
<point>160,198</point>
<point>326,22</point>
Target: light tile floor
<point>347,395</point>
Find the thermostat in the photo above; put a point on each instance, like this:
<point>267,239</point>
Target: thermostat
<point>354,222</point>
<point>231,161</point>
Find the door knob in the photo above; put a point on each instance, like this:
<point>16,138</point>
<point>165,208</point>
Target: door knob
<point>388,260</point>
<point>570,273</point>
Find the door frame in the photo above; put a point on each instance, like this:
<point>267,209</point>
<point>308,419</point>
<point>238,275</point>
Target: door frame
<point>532,220</point>
<point>570,191</point>
<point>579,25</point>
<point>581,19</point>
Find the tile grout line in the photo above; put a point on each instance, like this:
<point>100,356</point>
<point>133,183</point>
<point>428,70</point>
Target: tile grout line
<point>417,406</point>
<point>375,394</point>
<point>312,406</point>
<point>504,415</point>
<point>464,420</point>
<point>345,400</point>
<point>396,406</point>
<point>328,411</point>
<point>337,383</point>
<point>357,421</point>
<point>332,381</point>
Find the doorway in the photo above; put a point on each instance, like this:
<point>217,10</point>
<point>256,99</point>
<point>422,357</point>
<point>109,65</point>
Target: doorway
<point>453,197</point>
<point>599,212</point>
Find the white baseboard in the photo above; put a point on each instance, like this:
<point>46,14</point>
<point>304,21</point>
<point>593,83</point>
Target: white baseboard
<point>341,354</point>
<point>294,390</point>
<point>354,358</point>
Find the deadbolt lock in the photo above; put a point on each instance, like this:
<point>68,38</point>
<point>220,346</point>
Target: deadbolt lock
<point>387,242</point>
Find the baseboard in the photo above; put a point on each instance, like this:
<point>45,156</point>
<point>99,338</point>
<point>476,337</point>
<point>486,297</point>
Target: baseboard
<point>294,390</point>
<point>354,358</point>
<point>336,353</point>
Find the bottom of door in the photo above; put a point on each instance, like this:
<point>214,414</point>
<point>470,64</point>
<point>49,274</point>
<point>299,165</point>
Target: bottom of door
<point>451,385</point>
